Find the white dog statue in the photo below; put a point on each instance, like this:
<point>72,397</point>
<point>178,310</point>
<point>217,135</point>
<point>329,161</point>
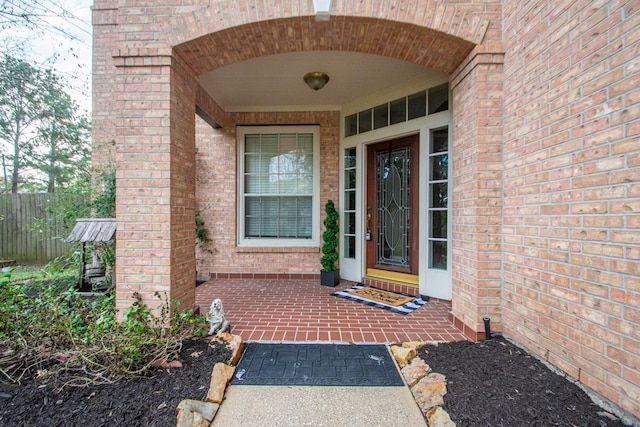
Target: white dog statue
<point>216,318</point>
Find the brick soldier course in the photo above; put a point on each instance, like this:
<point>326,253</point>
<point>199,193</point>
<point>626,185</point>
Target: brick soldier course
<point>545,156</point>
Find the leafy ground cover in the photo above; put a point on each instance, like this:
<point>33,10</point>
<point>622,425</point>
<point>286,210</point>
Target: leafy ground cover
<point>55,344</point>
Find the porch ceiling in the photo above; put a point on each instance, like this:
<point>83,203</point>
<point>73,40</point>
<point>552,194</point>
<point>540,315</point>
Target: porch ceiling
<point>275,83</point>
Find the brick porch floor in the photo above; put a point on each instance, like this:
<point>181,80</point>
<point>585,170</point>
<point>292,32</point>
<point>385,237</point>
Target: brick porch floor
<point>303,310</point>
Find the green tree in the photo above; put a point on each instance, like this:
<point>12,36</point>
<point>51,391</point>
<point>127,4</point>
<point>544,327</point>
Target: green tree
<point>21,105</point>
<point>40,127</point>
<point>61,151</point>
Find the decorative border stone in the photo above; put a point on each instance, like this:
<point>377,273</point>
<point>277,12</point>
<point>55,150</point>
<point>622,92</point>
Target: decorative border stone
<point>194,413</point>
<point>428,388</point>
<point>402,355</point>
<point>220,377</point>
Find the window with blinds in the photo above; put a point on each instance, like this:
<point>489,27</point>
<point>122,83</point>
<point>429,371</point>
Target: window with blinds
<point>278,176</point>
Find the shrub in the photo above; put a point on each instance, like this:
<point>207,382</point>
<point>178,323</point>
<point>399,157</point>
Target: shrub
<point>330,238</point>
<point>75,340</point>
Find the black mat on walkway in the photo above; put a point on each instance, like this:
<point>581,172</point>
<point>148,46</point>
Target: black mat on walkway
<point>316,364</point>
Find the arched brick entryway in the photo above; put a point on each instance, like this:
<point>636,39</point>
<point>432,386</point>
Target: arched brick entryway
<point>159,55</point>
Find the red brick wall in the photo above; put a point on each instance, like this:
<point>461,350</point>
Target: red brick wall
<point>105,38</point>
<point>434,34</point>
<point>145,103</point>
<point>431,33</point>
<point>184,86</point>
<point>476,200</point>
<point>216,195</point>
<point>155,178</point>
<point>572,191</point>
<point>546,238</point>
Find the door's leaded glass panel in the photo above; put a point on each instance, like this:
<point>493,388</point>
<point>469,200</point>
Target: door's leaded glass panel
<point>393,207</point>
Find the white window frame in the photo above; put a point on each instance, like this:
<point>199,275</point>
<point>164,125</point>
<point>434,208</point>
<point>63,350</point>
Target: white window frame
<point>314,241</point>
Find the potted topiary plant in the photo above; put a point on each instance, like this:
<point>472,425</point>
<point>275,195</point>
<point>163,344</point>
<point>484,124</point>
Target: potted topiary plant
<point>330,274</point>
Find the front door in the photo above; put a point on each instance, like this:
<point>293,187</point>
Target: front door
<point>392,209</point>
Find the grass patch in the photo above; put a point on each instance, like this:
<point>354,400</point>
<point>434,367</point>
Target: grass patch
<point>22,273</point>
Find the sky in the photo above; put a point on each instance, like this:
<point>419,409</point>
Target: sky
<point>64,44</point>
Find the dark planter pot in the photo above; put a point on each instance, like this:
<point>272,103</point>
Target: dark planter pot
<point>329,278</point>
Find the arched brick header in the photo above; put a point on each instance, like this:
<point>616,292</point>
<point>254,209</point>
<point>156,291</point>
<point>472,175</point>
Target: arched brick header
<point>429,33</point>
<point>393,39</point>
<point>464,21</point>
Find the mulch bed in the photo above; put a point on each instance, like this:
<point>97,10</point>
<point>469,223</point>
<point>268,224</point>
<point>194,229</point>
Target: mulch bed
<point>491,383</point>
<point>495,383</point>
<point>149,401</point>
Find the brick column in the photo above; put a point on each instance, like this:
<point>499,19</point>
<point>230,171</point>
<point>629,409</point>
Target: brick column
<point>477,193</point>
<point>155,178</point>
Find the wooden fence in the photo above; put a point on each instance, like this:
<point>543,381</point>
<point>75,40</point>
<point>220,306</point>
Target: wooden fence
<point>18,239</point>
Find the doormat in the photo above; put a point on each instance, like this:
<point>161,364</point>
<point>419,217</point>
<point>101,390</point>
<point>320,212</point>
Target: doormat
<point>382,296</point>
<point>316,364</point>
<point>393,301</point>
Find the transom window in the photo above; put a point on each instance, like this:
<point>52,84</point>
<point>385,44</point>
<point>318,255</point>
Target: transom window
<point>420,104</point>
<point>279,171</point>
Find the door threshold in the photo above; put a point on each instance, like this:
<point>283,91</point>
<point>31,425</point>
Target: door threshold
<point>404,279</point>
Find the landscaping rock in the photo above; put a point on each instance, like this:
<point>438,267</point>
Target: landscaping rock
<point>236,345</point>
<point>193,413</point>
<point>414,344</point>
<point>220,377</point>
<point>430,391</point>
<point>402,354</point>
<point>191,419</point>
<point>415,371</point>
<point>438,417</point>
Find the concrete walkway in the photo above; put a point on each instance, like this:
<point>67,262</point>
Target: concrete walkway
<point>318,406</point>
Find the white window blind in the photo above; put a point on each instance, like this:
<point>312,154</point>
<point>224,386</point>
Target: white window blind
<point>278,171</point>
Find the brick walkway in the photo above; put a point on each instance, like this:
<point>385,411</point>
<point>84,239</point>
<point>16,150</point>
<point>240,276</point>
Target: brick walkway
<point>304,311</point>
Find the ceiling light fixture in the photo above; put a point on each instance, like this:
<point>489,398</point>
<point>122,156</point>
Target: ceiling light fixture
<point>316,80</point>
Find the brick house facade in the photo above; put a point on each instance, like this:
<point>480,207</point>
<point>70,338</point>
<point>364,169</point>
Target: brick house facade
<point>542,193</point>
